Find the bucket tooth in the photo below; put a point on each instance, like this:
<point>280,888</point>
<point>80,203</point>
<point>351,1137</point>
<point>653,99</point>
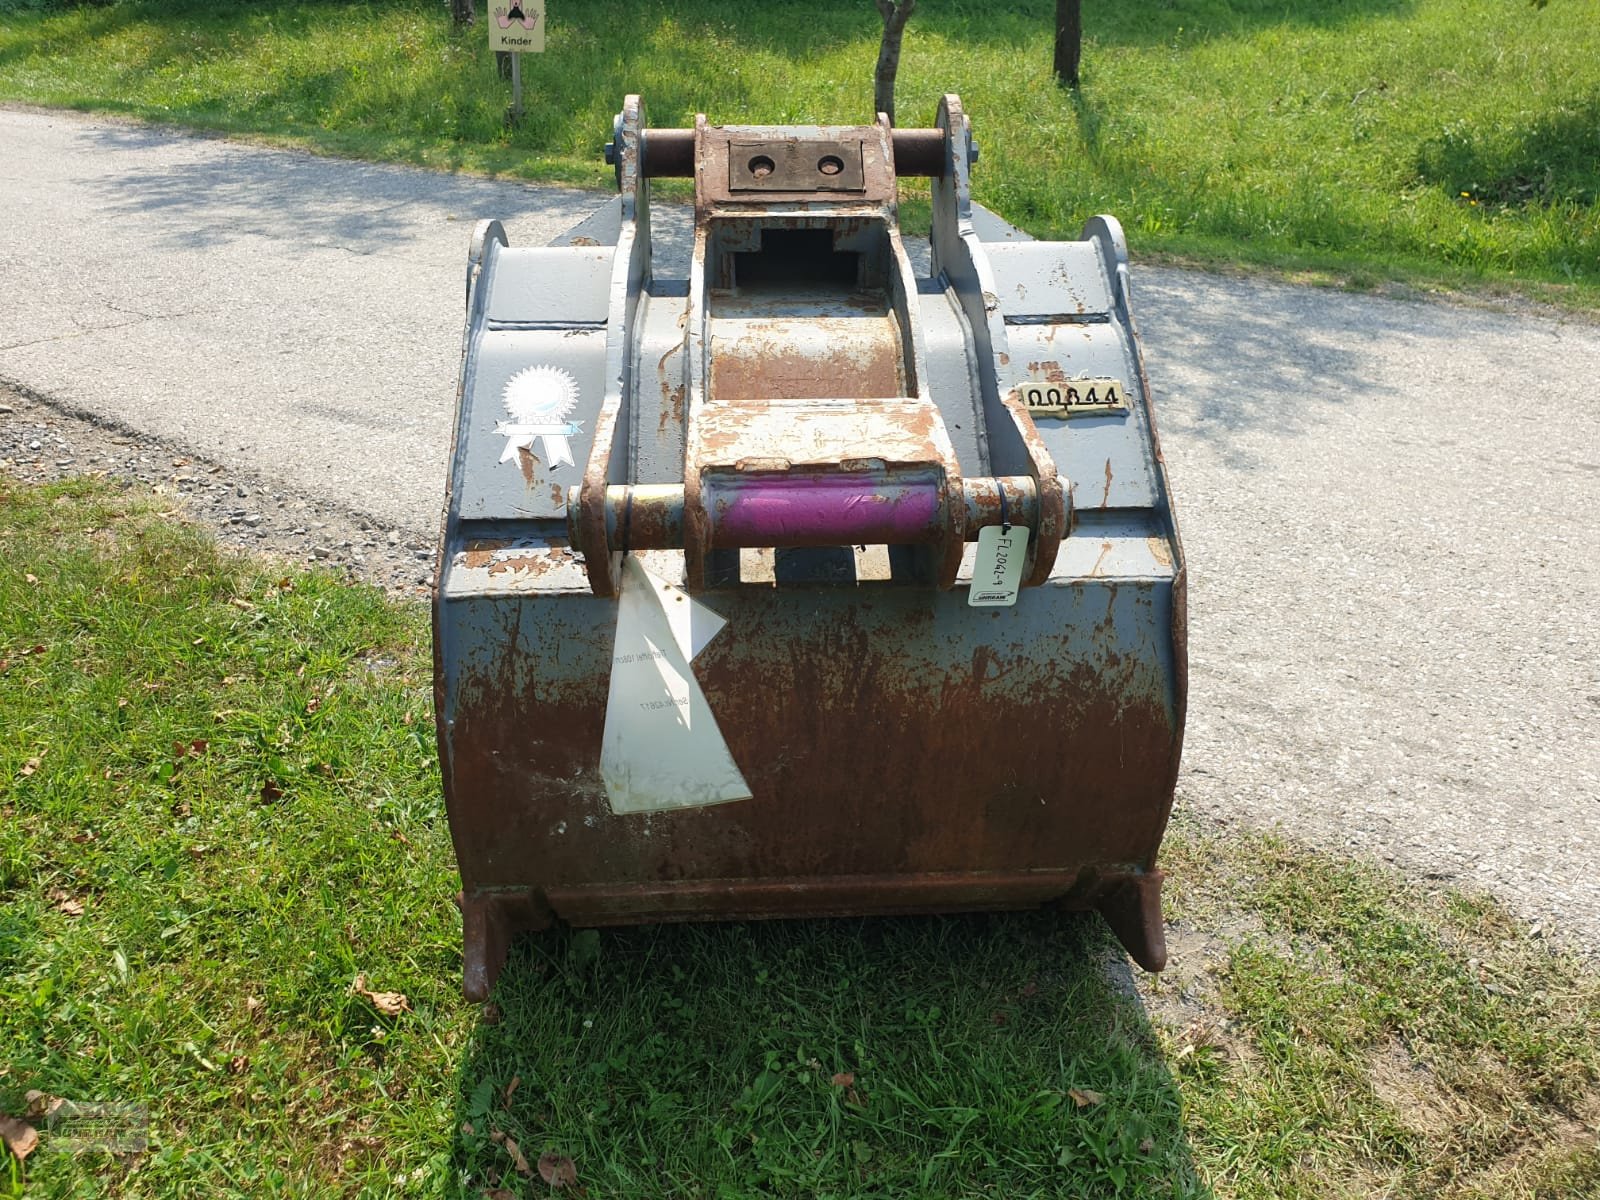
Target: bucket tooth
<point>489,920</point>
<point>1132,907</point>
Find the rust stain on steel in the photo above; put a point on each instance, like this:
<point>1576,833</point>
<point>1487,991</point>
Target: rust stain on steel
<point>477,552</point>
<point>764,364</point>
<point>804,715</point>
<point>1105,497</point>
<point>1159,550</point>
<point>1105,549</point>
<point>672,410</point>
<point>534,563</point>
<point>1051,371</point>
<point>1055,509</point>
<point>591,523</point>
<point>884,433</point>
<point>526,461</point>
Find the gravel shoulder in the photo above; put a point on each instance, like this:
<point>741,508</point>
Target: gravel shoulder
<point>249,513</point>
<point>1388,506</point>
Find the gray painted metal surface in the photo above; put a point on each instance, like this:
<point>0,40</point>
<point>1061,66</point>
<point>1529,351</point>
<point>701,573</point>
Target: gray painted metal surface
<point>817,440</point>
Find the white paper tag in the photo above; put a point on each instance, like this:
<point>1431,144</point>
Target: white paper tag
<point>997,570</point>
<point>692,623</point>
<point>661,748</point>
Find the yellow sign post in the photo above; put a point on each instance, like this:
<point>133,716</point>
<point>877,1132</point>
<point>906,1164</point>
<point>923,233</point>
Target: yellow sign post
<point>517,28</point>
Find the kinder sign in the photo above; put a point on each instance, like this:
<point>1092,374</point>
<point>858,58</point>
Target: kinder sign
<point>517,26</point>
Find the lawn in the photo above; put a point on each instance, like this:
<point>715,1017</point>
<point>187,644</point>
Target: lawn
<point>225,884</point>
<point>1438,143</point>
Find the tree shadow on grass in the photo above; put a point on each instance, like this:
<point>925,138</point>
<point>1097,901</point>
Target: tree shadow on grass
<point>918,1056</point>
<point>1553,159</point>
<point>798,30</point>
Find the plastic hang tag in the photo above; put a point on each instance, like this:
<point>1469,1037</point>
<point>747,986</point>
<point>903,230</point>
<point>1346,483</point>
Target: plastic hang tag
<point>692,623</point>
<point>661,748</point>
<point>997,568</point>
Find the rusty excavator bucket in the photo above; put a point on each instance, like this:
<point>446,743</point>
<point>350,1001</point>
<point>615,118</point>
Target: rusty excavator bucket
<point>810,577</point>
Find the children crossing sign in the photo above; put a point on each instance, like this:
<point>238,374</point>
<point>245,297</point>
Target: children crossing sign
<point>517,26</point>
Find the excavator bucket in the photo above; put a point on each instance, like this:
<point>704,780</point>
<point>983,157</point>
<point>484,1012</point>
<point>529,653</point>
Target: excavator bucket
<point>811,576</point>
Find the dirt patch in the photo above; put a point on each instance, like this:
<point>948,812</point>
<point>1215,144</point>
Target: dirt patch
<point>1420,1101</point>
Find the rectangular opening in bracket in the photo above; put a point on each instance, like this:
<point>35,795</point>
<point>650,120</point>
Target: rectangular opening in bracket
<point>824,565</point>
<point>789,256</point>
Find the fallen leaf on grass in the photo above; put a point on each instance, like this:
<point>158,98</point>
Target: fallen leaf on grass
<point>1030,989</point>
<point>500,1194</point>
<point>491,1013</point>
<point>510,1091</point>
<point>30,577</point>
<point>843,1079</point>
<point>19,1137</point>
<point>517,1158</point>
<point>271,793</point>
<point>29,767</point>
<point>238,1065</point>
<point>390,1004</point>
<point>1084,1097</point>
<point>41,1104</point>
<point>557,1170</point>
<point>65,902</point>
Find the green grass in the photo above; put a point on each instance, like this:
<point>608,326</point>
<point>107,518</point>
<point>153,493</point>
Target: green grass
<point>219,805</point>
<point>1439,143</point>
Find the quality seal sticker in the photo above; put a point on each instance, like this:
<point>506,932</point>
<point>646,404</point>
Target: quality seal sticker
<point>538,402</point>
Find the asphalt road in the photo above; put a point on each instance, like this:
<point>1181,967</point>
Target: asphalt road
<point>1389,507</point>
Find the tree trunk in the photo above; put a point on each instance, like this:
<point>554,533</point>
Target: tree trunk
<point>1069,41</point>
<point>895,14</point>
<point>461,13</point>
